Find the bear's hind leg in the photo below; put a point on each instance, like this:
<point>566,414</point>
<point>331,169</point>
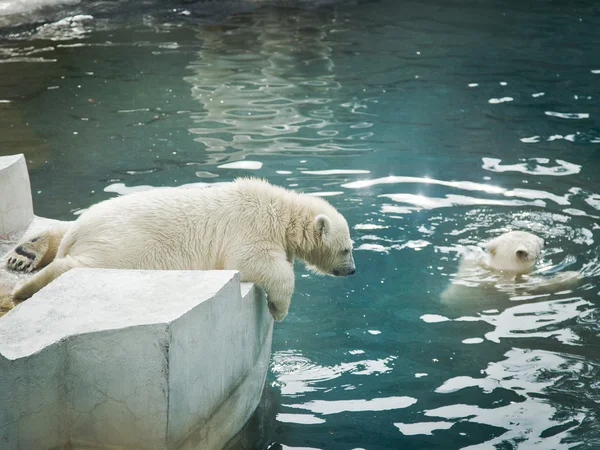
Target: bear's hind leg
<point>37,251</point>
<point>48,274</point>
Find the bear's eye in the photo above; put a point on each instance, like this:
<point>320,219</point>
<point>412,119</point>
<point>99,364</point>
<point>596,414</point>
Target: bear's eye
<point>346,251</point>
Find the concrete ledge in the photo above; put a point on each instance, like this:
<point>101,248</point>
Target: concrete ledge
<point>133,359</point>
<point>16,205</point>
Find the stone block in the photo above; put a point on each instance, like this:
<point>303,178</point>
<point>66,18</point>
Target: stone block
<point>106,358</point>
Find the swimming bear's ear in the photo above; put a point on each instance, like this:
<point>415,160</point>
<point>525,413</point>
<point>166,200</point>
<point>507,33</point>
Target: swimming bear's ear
<point>491,246</point>
<point>522,254</point>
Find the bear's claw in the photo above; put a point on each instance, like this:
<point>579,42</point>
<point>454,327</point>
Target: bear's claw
<point>276,313</point>
<point>24,258</point>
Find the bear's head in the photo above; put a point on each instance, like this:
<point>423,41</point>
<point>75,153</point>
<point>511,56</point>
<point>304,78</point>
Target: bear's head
<point>332,251</point>
<point>515,251</point>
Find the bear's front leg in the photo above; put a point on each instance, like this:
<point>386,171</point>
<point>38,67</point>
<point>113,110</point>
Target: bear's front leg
<point>279,286</point>
<point>275,275</point>
<point>279,299</point>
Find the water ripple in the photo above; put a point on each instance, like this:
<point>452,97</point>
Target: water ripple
<point>338,406</point>
<point>272,108</point>
<point>534,419</point>
<point>453,200</point>
<point>532,166</point>
<point>296,374</point>
<point>567,115</point>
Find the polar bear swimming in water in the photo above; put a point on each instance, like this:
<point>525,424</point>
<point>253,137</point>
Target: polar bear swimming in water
<point>247,225</point>
<point>515,252</point>
<point>509,264</point>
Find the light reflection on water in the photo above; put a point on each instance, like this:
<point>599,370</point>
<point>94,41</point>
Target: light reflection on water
<point>263,91</point>
<point>401,117</point>
<point>297,375</point>
<point>539,422</point>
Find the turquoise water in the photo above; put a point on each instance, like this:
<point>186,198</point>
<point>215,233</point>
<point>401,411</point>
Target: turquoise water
<point>429,126</point>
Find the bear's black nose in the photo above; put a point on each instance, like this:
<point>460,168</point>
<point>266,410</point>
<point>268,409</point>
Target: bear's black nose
<point>352,272</point>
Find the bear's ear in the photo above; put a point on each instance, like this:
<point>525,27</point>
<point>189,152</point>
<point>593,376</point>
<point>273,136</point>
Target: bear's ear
<point>323,225</point>
<point>491,246</point>
<point>522,254</point>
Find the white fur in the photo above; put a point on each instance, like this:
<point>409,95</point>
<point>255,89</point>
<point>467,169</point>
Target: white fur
<point>247,225</point>
<point>515,251</point>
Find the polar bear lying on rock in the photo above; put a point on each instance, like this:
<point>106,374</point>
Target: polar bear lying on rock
<point>508,264</point>
<point>247,225</point>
